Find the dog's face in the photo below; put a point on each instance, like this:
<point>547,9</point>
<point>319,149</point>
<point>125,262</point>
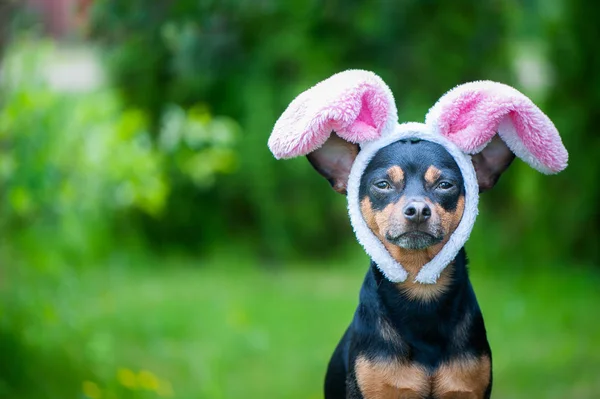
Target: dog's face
<point>412,195</point>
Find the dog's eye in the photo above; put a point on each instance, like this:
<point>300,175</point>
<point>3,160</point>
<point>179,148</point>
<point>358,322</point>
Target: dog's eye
<point>382,185</point>
<point>445,185</point>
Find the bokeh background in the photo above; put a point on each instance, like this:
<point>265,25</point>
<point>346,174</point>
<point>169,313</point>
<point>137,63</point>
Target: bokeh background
<point>150,246</point>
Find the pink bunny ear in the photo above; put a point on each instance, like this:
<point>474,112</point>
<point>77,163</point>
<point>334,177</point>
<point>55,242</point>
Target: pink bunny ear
<point>471,114</point>
<point>356,104</point>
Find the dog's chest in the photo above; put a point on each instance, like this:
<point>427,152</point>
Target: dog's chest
<point>462,378</point>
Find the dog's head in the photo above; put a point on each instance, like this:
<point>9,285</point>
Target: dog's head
<point>413,188</point>
<point>411,192</point>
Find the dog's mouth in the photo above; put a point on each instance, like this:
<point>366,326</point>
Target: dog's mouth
<point>414,239</point>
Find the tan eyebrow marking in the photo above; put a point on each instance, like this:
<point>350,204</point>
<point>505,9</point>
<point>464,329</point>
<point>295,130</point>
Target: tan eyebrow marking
<point>396,174</point>
<point>432,174</point>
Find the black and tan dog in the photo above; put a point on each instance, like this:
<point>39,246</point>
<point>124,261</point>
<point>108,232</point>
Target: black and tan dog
<point>412,340</point>
<point>412,194</point>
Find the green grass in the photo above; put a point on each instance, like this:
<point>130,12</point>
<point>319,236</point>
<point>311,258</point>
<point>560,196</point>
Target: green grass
<point>221,331</point>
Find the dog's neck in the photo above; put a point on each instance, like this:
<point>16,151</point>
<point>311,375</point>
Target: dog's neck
<point>397,297</point>
<point>412,261</point>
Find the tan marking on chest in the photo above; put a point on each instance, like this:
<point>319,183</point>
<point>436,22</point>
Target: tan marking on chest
<point>396,174</point>
<point>466,378</point>
<point>391,379</point>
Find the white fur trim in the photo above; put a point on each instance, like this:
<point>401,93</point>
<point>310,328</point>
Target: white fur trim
<point>335,103</point>
<point>391,268</point>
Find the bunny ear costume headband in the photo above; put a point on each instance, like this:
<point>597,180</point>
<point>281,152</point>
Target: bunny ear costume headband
<point>359,107</point>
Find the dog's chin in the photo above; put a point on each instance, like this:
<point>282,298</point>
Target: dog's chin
<point>415,240</point>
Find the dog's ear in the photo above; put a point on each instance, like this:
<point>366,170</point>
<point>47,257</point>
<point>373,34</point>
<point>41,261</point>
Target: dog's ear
<point>491,162</point>
<point>334,161</point>
<point>357,105</point>
<point>493,121</point>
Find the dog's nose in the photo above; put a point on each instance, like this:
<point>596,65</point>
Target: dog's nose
<point>417,211</point>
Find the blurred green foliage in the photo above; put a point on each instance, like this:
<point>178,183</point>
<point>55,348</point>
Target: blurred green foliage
<point>150,245</point>
<point>574,102</point>
<point>75,167</point>
<point>70,162</point>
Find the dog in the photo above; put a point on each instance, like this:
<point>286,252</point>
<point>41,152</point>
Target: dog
<point>412,340</point>
<point>412,188</point>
